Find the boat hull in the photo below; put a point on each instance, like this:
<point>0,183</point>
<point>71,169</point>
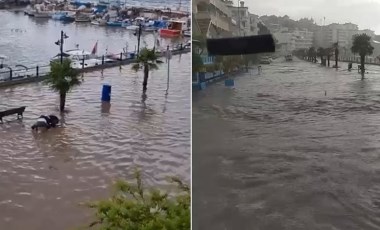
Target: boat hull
<point>170,33</point>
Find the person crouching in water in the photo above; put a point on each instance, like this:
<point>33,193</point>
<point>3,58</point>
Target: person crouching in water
<point>46,122</point>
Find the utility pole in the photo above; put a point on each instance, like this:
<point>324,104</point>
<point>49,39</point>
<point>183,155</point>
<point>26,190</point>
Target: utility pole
<point>138,34</point>
<point>60,44</point>
<point>168,57</point>
<point>238,7</point>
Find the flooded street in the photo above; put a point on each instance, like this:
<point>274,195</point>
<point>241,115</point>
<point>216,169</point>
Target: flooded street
<point>296,148</point>
<point>44,176</point>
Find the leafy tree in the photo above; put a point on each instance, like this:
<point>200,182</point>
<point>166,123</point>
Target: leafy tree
<point>62,79</point>
<point>336,53</point>
<point>146,60</point>
<point>199,41</point>
<point>132,207</point>
<point>197,62</point>
<point>362,45</point>
<point>312,54</point>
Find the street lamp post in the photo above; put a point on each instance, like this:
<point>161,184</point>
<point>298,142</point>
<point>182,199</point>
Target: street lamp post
<point>138,34</point>
<point>60,43</point>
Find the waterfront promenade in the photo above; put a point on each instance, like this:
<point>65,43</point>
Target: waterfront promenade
<point>39,73</point>
<point>54,171</point>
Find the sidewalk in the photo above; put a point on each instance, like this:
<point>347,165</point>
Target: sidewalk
<point>202,80</point>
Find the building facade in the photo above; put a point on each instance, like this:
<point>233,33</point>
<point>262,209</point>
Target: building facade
<point>213,18</point>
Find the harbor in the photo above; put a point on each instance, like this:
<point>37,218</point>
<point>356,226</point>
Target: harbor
<point>24,56</point>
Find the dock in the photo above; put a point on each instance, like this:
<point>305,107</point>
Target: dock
<point>24,75</point>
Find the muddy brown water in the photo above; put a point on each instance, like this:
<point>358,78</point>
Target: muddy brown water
<point>277,153</point>
<point>45,176</point>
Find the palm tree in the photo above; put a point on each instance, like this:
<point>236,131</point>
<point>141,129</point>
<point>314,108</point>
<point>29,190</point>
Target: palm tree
<point>147,60</point>
<point>312,54</point>
<point>336,53</point>
<point>362,45</point>
<point>321,53</point>
<point>62,79</point>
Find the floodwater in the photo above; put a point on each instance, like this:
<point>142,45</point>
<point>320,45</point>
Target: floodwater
<point>31,41</point>
<point>296,147</point>
<point>45,176</point>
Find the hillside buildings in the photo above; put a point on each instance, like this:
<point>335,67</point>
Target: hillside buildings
<point>223,18</point>
<point>220,18</point>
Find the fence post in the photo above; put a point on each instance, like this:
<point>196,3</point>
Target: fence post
<point>37,71</point>
<point>103,60</point>
<point>10,75</point>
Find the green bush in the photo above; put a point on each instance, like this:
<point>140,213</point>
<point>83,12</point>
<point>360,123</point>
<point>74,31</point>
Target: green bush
<point>132,208</point>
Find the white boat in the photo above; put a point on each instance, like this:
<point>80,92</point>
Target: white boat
<point>187,33</point>
<point>149,29</point>
<point>40,11</point>
<point>30,12</point>
<point>99,22</point>
<point>136,24</point>
<point>78,56</point>
<point>82,18</point>
<point>42,14</point>
<point>132,27</point>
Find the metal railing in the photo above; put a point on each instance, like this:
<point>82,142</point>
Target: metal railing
<point>17,72</point>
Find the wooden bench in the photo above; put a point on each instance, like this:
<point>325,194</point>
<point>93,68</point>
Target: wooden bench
<point>19,111</point>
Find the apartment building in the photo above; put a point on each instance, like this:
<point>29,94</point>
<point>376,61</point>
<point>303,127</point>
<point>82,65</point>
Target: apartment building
<point>246,22</point>
<point>213,18</point>
<point>326,36</point>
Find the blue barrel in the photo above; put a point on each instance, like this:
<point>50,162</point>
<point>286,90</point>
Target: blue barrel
<point>203,85</point>
<point>106,93</point>
<point>229,82</point>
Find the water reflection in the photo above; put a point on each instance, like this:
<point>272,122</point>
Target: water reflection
<point>105,107</point>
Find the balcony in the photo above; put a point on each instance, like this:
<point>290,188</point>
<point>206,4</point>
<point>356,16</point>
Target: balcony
<point>203,19</point>
<point>221,6</point>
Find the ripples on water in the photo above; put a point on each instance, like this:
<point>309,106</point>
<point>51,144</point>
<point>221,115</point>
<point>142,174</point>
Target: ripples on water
<point>286,156</point>
<point>44,176</point>
<point>31,41</point>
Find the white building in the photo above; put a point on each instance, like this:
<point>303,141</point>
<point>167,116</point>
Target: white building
<point>326,36</point>
<point>303,39</point>
<point>287,42</point>
<point>246,20</point>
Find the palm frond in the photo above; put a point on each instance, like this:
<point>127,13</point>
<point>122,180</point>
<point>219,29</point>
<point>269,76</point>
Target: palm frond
<point>152,66</point>
<point>147,57</point>
<point>62,78</point>
<point>136,67</point>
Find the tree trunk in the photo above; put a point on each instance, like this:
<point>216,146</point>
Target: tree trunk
<point>328,60</point>
<point>362,58</point>
<point>146,75</point>
<point>62,103</point>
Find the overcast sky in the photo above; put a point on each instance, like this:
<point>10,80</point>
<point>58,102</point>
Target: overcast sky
<point>365,13</point>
